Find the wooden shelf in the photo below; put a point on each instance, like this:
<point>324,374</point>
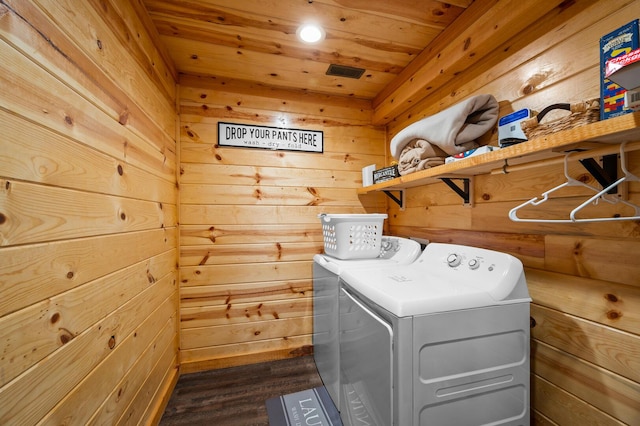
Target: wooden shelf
<point>593,137</point>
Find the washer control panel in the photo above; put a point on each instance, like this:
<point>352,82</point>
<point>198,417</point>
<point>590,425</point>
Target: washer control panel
<point>456,259</point>
<point>472,261</point>
<point>399,249</point>
<point>465,267</point>
<point>463,263</point>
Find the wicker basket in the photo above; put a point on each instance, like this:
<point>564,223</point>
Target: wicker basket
<point>581,113</point>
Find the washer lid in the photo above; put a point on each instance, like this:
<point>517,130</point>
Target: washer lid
<point>445,277</point>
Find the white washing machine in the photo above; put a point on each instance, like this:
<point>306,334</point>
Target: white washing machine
<point>441,341</point>
<point>326,272</point>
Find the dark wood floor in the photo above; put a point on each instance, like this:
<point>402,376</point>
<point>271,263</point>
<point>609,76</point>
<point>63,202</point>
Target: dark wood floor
<point>236,396</point>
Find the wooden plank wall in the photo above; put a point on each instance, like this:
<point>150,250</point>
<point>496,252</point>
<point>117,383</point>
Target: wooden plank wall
<point>249,226</point>
<point>88,215</point>
<point>584,278</point>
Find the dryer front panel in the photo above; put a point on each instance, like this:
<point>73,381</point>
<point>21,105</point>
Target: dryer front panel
<point>325,329</point>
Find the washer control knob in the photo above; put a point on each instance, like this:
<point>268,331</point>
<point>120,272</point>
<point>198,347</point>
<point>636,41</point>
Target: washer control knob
<point>474,264</point>
<point>454,260</point>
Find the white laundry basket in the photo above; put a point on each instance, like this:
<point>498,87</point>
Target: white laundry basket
<point>352,236</point>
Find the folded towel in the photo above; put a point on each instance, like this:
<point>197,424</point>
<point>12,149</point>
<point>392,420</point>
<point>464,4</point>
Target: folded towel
<point>419,154</point>
<point>455,129</point>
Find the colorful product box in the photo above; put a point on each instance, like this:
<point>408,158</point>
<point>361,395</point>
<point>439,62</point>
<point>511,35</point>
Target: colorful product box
<point>509,127</point>
<point>624,70</point>
<point>616,43</point>
<point>471,153</point>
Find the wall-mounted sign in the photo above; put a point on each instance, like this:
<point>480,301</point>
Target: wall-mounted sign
<point>264,137</point>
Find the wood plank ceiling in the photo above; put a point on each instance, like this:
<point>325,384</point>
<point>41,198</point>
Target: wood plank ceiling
<point>406,47</point>
<point>254,41</point>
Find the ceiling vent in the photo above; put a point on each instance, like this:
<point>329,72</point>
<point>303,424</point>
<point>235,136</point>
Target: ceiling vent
<point>344,71</point>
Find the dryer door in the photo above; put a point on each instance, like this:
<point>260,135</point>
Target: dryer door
<point>366,357</point>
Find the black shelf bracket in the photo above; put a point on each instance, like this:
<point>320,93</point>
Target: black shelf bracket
<point>399,200</point>
<point>465,192</point>
<point>605,174</point>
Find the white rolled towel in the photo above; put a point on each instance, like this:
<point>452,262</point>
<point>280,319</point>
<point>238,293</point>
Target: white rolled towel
<point>455,129</point>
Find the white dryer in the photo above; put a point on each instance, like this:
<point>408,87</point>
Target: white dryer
<point>441,341</point>
<point>326,273</point>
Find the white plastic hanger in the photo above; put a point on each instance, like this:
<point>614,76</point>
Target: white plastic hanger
<point>600,195</point>
<point>628,176</point>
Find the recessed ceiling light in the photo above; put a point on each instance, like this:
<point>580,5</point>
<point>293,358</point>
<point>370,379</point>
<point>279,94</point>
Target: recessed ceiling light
<point>310,33</point>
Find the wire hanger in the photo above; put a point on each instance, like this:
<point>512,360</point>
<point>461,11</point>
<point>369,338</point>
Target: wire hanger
<point>600,195</point>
